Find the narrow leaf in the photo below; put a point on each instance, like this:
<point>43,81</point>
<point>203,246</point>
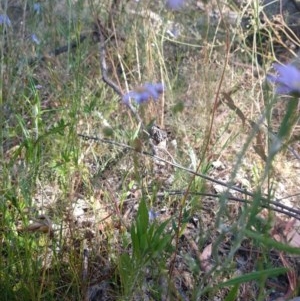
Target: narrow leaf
<point>254,276</point>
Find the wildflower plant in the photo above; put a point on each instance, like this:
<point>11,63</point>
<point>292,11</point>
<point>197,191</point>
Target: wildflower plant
<point>287,82</point>
<point>144,93</point>
<point>175,4</point>
<point>37,8</point>
<point>150,241</point>
<point>287,79</point>
<point>35,39</point>
<point>4,20</point>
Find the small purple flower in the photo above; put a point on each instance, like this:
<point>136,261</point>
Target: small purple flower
<point>287,80</point>
<point>37,7</point>
<point>35,39</point>
<point>144,93</point>
<point>4,20</point>
<point>175,4</point>
<point>152,215</point>
<point>154,90</point>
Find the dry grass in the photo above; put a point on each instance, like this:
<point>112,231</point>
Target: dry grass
<point>73,219</point>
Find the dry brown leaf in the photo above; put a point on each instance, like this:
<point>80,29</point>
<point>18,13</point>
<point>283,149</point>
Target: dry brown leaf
<point>205,257</point>
<point>230,103</point>
<point>291,233</point>
<point>287,232</point>
<point>292,276</point>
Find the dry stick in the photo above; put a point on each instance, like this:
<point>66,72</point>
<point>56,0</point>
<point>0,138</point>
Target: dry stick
<point>58,51</point>
<point>103,66</point>
<point>284,209</point>
<point>296,212</point>
<point>94,35</point>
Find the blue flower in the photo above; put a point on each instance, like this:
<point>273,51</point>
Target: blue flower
<point>35,39</point>
<point>175,4</point>
<point>4,20</point>
<point>37,7</point>
<point>287,80</point>
<point>152,215</point>
<point>144,93</point>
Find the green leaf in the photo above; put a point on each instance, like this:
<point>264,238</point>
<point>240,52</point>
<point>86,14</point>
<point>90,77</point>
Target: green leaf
<point>136,133</point>
<point>289,119</point>
<point>178,108</point>
<point>135,242</point>
<point>271,243</point>
<point>232,293</point>
<point>126,271</point>
<point>139,232</point>
<point>142,219</point>
<point>254,276</point>
<point>160,245</point>
<point>143,242</point>
<point>160,230</point>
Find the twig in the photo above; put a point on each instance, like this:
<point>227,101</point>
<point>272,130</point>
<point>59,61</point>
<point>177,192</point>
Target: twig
<point>274,205</point>
<point>103,65</point>
<point>284,209</point>
<point>58,51</point>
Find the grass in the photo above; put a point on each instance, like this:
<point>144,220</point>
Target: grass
<point>88,211</point>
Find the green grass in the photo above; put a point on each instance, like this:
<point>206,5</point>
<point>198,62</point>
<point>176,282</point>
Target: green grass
<point>74,211</point>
